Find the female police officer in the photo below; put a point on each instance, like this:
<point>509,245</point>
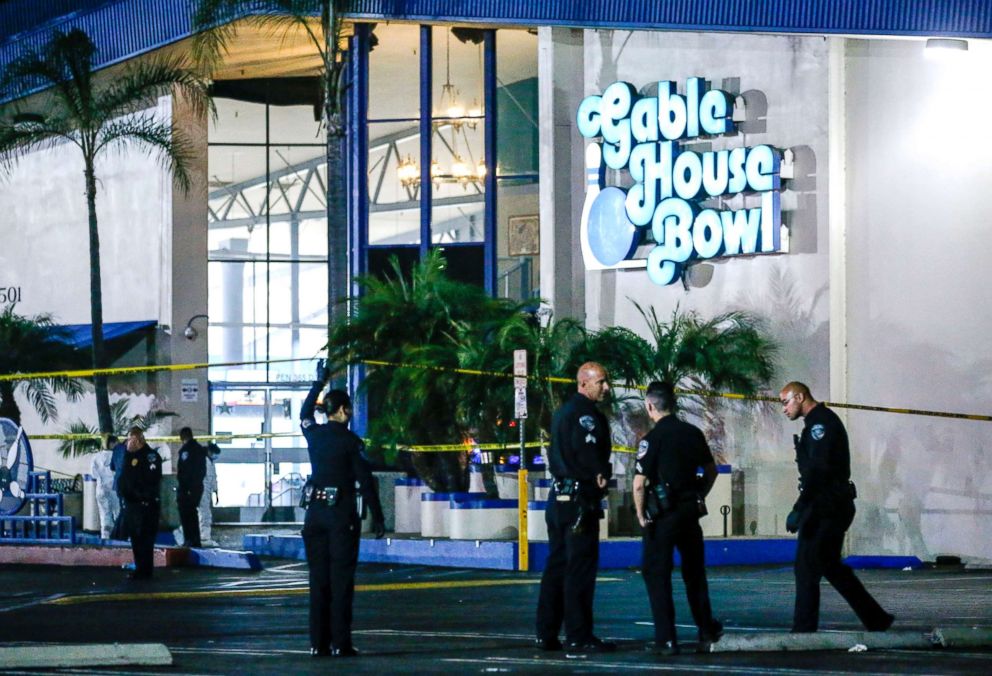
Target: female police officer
<point>332,529</point>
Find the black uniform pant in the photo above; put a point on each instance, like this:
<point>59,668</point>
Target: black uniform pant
<point>817,556</point>
<point>569,579</point>
<point>141,520</point>
<point>187,501</point>
<point>676,528</point>
<point>331,536</point>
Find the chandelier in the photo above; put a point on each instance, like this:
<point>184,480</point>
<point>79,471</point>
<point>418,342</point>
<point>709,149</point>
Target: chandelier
<point>457,121</point>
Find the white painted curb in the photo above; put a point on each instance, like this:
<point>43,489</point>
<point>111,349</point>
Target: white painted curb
<point>54,656</point>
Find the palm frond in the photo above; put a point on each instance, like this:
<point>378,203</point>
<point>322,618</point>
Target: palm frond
<point>142,83</point>
<point>41,399</point>
<point>149,134</point>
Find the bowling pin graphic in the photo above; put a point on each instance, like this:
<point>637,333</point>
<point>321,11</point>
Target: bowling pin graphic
<point>606,234</point>
<point>594,184</point>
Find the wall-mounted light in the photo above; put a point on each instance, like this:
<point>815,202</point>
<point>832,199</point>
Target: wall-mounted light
<point>189,331</point>
<point>944,47</point>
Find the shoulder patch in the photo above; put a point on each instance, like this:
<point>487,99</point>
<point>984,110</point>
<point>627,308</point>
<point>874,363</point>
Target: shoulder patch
<point>152,457</point>
<point>306,422</point>
<point>817,432</point>
<point>184,455</point>
<point>587,422</point>
<point>642,449</point>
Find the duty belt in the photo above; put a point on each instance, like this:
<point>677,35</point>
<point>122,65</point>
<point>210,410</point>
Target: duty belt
<point>327,495</point>
<point>566,490</point>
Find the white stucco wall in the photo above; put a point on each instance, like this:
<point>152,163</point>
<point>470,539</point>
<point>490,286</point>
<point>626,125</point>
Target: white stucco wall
<point>44,250</point>
<point>918,309</point>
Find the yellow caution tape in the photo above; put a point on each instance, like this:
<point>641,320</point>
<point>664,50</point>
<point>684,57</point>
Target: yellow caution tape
<point>85,373</point>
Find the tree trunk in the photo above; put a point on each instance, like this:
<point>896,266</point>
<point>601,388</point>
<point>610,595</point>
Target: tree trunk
<point>8,407</point>
<point>96,307</point>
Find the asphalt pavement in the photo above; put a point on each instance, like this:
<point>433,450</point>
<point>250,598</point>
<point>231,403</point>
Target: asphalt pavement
<point>412,619</point>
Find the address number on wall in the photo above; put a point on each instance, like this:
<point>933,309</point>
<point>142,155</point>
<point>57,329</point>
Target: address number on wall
<point>10,294</point>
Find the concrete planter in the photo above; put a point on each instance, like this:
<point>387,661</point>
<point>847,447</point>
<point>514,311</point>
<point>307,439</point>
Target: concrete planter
<point>406,495</point>
<point>474,518</point>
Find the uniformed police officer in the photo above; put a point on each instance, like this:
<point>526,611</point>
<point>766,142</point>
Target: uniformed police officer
<point>141,478</point>
<point>668,497</point>
<point>579,462</point>
<point>823,513</point>
<point>332,528</point>
<point>190,472</point>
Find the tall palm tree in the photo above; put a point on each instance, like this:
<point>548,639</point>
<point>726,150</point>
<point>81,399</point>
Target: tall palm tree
<point>34,344</point>
<point>97,117</point>
<point>321,21</point>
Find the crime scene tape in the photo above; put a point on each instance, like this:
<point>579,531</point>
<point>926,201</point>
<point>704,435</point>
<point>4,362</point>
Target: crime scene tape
<point>84,373</point>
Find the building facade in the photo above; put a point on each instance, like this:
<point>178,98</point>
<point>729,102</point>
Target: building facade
<point>856,231</point>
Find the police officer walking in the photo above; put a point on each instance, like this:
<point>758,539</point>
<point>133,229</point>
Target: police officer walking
<point>190,472</point>
<point>141,478</point>
<point>669,500</point>
<point>823,513</point>
<point>579,462</point>
<point>341,474</point>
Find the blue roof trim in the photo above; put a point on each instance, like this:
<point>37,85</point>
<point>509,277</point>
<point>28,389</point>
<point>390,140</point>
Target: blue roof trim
<point>151,24</point>
<point>80,335</point>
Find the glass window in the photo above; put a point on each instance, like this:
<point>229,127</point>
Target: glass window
<point>394,72</point>
<point>238,122</point>
<point>298,124</point>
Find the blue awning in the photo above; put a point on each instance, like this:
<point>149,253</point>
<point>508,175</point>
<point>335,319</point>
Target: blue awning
<point>81,335</point>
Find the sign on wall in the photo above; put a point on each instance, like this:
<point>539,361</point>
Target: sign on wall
<point>672,185</point>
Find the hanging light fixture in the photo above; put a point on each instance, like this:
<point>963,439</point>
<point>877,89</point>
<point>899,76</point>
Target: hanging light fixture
<point>456,120</point>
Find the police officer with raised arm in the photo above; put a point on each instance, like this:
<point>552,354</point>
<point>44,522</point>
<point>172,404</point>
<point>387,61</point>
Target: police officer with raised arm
<point>669,498</point>
<point>332,528</point>
<point>579,462</point>
<point>823,513</point>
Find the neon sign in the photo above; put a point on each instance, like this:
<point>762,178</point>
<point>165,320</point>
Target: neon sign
<point>641,134</point>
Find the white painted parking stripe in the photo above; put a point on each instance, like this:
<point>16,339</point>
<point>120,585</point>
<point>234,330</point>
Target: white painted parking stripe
<point>679,666</point>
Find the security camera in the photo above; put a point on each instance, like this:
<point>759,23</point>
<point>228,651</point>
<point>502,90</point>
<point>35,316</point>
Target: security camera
<point>190,333</point>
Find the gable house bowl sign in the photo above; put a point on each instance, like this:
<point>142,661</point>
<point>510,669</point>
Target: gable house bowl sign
<point>641,134</point>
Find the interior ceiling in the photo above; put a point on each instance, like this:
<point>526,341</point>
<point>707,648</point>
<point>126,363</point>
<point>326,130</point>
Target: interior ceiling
<point>257,52</point>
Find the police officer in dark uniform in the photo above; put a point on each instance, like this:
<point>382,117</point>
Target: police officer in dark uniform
<point>141,478</point>
<point>190,471</point>
<point>669,500</point>
<point>579,462</point>
<point>340,482</point>
<point>823,513</point>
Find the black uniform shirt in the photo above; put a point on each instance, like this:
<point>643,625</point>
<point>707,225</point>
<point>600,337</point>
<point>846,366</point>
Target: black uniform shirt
<point>192,466</point>
<point>337,455</point>
<point>673,450</point>
<point>580,441</point>
<point>141,475</point>
<point>824,458</point>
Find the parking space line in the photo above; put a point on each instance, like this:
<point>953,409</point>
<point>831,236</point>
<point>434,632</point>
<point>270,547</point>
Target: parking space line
<point>284,591</point>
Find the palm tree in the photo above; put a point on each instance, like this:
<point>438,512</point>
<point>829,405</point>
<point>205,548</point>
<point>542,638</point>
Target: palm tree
<point>416,319</point>
<point>97,118</point>
<point>34,344</point>
<point>281,18</point>
<point>85,439</point>
<point>730,352</point>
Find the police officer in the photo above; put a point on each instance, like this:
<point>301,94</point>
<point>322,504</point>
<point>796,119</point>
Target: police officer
<point>332,528</point>
<point>668,498</point>
<point>190,472</point>
<point>141,478</point>
<point>823,513</point>
<point>579,462</point>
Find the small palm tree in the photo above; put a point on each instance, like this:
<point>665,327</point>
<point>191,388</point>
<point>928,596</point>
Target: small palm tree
<point>321,21</point>
<point>90,440</point>
<point>415,319</point>
<point>34,344</point>
<point>730,352</point>
<point>97,118</point>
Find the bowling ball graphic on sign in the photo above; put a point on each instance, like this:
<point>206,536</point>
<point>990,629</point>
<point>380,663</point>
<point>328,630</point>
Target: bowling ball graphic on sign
<point>612,237</point>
